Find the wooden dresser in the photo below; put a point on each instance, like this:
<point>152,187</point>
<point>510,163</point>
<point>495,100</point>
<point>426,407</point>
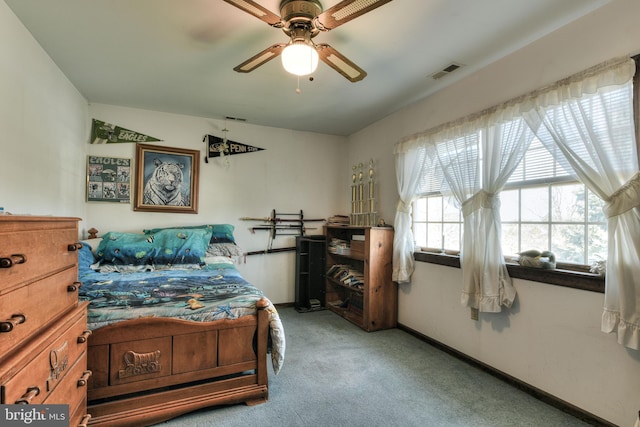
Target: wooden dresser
<point>43,328</point>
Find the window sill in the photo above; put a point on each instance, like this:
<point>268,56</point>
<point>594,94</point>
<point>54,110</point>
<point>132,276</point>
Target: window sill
<point>559,277</point>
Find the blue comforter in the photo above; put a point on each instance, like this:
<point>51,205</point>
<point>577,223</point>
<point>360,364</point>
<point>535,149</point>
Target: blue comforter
<point>215,292</point>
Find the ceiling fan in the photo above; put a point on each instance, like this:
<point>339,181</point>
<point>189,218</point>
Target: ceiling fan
<point>302,20</point>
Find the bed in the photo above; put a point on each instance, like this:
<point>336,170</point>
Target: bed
<point>174,326</point>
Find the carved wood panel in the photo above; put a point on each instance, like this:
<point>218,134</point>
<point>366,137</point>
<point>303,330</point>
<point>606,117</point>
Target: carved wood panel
<point>140,360</point>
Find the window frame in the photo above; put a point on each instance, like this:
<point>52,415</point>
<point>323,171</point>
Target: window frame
<point>566,275</point>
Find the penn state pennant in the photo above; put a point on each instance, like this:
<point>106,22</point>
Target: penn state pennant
<point>106,133</point>
<point>217,147</point>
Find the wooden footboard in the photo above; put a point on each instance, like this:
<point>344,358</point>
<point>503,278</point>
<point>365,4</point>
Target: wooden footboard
<point>150,370</point>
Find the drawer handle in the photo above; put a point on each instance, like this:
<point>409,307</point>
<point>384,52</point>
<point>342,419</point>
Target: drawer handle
<point>28,396</point>
<point>74,247</point>
<point>84,378</point>
<point>84,337</point>
<point>85,421</point>
<point>9,324</point>
<point>74,287</point>
<point>12,260</point>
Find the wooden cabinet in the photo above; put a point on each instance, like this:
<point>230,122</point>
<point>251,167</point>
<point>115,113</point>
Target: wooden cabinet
<point>310,265</point>
<point>43,328</point>
<point>358,276</point>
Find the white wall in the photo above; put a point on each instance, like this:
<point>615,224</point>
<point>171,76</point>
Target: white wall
<point>551,338</point>
<point>296,171</point>
<point>42,128</point>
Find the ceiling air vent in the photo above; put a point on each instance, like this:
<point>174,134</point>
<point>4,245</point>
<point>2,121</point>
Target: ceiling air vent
<point>237,119</point>
<point>446,70</point>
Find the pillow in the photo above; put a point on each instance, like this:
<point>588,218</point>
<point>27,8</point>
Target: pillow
<point>165,248</point>
<point>92,243</point>
<point>220,233</point>
<point>85,259</point>
<point>224,249</point>
<point>113,268</point>
<point>217,259</point>
<point>101,267</point>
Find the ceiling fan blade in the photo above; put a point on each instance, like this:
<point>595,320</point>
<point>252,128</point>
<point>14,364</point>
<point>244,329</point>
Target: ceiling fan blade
<point>340,63</point>
<point>261,58</point>
<point>345,11</point>
<point>258,11</point>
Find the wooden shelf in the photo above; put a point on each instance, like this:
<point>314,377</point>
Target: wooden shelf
<point>358,257</point>
<point>375,305</point>
<point>350,315</point>
<point>351,288</point>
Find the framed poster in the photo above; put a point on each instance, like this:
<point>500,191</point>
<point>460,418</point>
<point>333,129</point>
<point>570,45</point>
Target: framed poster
<point>166,179</point>
<point>108,179</point>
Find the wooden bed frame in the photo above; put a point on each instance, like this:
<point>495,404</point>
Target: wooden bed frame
<point>149,370</point>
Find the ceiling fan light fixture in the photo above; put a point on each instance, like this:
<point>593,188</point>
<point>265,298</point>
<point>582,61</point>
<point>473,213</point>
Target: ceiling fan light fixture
<point>300,58</point>
<point>302,20</point>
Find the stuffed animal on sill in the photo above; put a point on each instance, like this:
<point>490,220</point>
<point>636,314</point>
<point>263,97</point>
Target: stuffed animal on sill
<point>599,267</point>
<point>534,258</point>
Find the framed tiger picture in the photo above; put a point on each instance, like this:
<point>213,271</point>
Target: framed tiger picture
<point>166,179</point>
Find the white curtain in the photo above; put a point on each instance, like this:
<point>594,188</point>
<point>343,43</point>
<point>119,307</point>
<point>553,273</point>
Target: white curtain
<point>477,159</point>
<point>410,168</point>
<point>506,143</point>
<point>452,159</point>
<point>589,117</point>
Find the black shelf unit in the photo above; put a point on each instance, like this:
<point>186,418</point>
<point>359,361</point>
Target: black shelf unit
<point>310,280</point>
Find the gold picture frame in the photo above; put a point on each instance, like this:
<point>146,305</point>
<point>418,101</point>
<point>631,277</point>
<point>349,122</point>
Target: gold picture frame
<point>166,179</point>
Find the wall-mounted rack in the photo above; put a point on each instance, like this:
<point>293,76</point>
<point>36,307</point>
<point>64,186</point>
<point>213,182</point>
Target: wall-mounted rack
<point>280,223</point>
<point>288,224</point>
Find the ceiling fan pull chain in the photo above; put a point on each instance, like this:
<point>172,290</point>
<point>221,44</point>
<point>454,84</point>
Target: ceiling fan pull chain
<point>298,88</point>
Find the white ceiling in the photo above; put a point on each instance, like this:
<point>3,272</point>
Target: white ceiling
<point>178,56</point>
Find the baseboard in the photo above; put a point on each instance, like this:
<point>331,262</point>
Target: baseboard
<point>543,396</point>
<point>284,305</point>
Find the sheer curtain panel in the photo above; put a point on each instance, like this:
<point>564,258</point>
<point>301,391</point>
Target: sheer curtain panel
<point>506,140</point>
<point>477,159</point>
<point>589,117</point>
<point>410,160</point>
<point>469,160</point>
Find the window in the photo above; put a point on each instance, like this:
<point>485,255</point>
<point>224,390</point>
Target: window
<point>590,119</point>
<point>565,218</point>
<point>437,224</point>
<point>542,207</point>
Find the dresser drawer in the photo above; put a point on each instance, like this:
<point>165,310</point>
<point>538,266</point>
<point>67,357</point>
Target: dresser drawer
<point>73,387</point>
<point>43,372</point>
<point>30,249</point>
<point>28,309</point>
<point>79,416</point>
<point>72,391</point>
